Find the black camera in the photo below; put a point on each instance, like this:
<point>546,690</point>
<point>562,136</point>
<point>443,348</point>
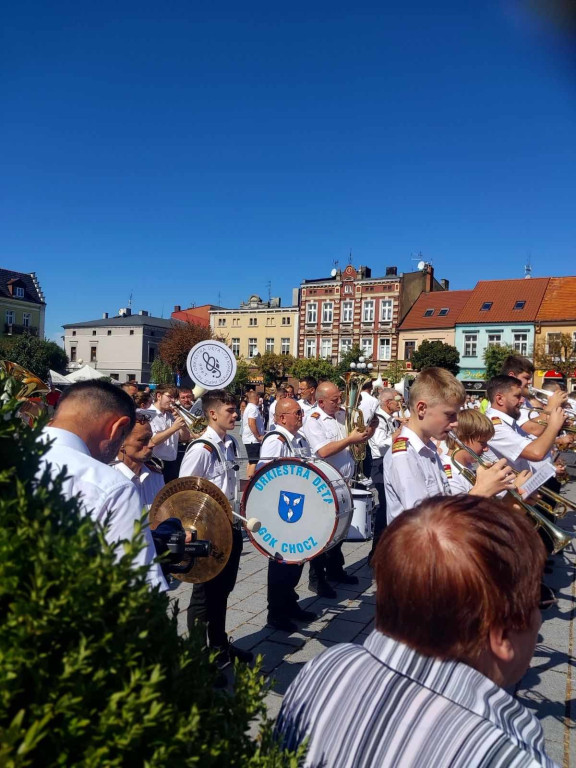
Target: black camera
<point>177,555</point>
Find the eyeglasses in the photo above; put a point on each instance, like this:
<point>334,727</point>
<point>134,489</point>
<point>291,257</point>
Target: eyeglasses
<point>142,418</point>
<point>299,412</point>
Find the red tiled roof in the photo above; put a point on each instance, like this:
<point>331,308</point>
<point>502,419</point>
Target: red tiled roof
<point>559,302</point>
<point>503,296</point>
<point>416,318</point>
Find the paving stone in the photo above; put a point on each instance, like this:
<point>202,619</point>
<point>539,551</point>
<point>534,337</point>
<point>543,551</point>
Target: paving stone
<point>273,654</point>
<point>273,704</point>
<point>283,675</point>
<point>249,636</point>
<point>360,612</point>
<point>340,631</point>
<point>310,650</point>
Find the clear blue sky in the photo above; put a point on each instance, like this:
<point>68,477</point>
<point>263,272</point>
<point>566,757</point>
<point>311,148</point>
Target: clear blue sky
<point>182,151</point>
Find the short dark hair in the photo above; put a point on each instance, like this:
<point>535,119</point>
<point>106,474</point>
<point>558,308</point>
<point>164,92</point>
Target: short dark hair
<point>367,385</point>
<point>99,397</point>
<point>517,364</point>
<point>310,381</point>
<point>215,398</point>
<point>453,568</point>
<point>165,390</point>
<point>501,384</point>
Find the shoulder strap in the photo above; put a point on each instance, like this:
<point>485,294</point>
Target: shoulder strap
<point>281,437</point>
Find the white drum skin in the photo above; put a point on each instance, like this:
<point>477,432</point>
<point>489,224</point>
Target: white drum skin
<point>361,525</point>
<point>305,508</point>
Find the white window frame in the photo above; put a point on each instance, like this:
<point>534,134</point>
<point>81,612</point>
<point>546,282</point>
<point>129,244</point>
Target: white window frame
<point>345,345</point>
<point>235,346</point>
<point>221,322</point>
<point>310,348</point>
<point>285,345</point>
<point>326,348</point>
<point>385,348</point>
<point>26,319</point>
<point>10,317</point>
<point>328,312</point>
<point>368,311</point>
<point>19,292</point>
<point>347,311</point>
<point>252,346</point>
<point>494,340</point>
<point>348,289</point>
<point>269,344</point>
<point>253,321</point>
<point>312,313</point>
<point>286,320</point>
<point>367,345</point>
<point>552,337</point>
<point>386,310</point>
<point>470,345</point>
<point>520,343</point>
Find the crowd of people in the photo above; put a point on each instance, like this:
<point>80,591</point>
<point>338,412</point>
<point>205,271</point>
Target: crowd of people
<point>457,561</point>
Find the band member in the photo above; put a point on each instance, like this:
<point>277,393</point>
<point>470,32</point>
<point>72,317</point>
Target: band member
<point>167,429</point>
<point>522,368</point>
<point>413,470</point>
<point>325,430</point>
<point>213,456</point>
<point>307,391</point>
<point>186,402</point>
<point>252,431</point>
<point>135,462</point>
<point>90,424</point>
<point>368,406</point>
<point>283,578</point>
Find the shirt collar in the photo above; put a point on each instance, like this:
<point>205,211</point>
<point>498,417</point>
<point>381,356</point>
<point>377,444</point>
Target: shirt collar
<point>419,444</point>
<point>66,438</point>
<point>501,415</point>
<point>211,434</point>
<point>283,431</point>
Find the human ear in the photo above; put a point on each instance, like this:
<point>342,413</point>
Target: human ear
<point>118,428</point>
<point>421,408</point>
<point>500,644</point>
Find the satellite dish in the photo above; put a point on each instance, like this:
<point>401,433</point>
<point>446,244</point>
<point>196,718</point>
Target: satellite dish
<point>421,265</point>
<point>334,273</point>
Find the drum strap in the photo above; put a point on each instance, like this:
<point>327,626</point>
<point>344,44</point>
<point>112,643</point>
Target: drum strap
<point>281,436</point>
<point>221,458</point>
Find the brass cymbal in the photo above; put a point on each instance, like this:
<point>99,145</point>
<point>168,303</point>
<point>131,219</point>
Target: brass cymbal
<point>198,504</point>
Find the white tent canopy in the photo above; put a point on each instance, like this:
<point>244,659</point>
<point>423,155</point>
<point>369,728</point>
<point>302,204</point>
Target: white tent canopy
<point>84,374</point>
<point>57,378</point>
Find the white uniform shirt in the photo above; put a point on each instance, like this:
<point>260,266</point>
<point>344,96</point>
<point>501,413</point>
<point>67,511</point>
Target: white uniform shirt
<point>168,450</point>
<point>102,493</point>
<point>271,413</point>
<point>412,472</point>
<point>456,480</point>
<point>321,429</point>
<point>149,482</point>
<point>280,443</point>
<point>368,405</point>
<point>381,440</point>
<point>509,441</point>
<point>306,408</point>
<point>251,412</point>
<point>215,462</point>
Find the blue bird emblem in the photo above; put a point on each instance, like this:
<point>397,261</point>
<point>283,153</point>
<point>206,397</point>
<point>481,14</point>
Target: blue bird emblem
<point>290,506</point>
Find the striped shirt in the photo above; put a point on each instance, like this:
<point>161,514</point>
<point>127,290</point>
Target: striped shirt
<point>382,705</point>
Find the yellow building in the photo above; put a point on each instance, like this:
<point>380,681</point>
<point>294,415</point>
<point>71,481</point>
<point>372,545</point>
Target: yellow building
<point>22,305</point>
<point>555,318</point>
<point>257,327</point>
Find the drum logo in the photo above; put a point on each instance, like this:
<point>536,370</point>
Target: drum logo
<point>290,506</point>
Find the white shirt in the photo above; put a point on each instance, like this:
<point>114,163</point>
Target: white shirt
<point>148,483</point>
<point>168,450</point>
<point>271,412</point>
<point>105,495</point>
<point>215,462</point>
<point>412,472</point>
<point>456,480</point>
<point>306,408</point>
<point>321,429</point>
<point>368,405</point>
<point>251,412</point>
<point>509,441</point>
<point>281,443</point>
<point>381,440</point>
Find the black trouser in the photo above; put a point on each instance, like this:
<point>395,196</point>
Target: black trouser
<point>170,471</point>
<point>328,565</point>
<point>367,463</point>
<point>553,485</point>
<point>380,511</point>
<point>282,582</point>
<point>210,600</point>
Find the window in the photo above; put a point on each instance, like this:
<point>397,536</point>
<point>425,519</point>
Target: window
<point>115,377</point>
<point>235,322</point>
<point>552,343</point>
<point>347,289</point>
<point>326,348</point>
<point>93,355</point>
<point>73,354</point>
<point>470,344</point>
<point>131,332</point>
<point>521,343</point>
<point>312,313</point>
<point>235,346</point>
<point>109,333</point>
<point>386,310</point>
<point>444,311</point>
<point>269,345</point>
<point>494,339</point>
<point>26,317</point>
<point>270,321</point>
<point>486,306</point>
<point>327,312</point>
<point>429,313</point>
<point>286,320</point>
<point>253,321</point>
<point>252,347</point>
<point>368,311</point>
<point>520,305</point>
<point>19,292</point>
<point>285,345</point>
<point>347,311</point>
<point>345,346</point>
<point>221,322</point>
<point>151,354</point>
<point>310,348</point>
<point>10,316</point>
<point>131,377</point>
<point>384,349</point>
<point>73,333</point>
<point>152,333</point>
<point>93,333</point>
<point>409,347</point>
<point>367,345</point>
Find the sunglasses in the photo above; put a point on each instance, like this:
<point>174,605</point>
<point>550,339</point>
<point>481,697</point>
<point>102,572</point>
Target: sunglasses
<point>299,412</point>
<point>141,418</point>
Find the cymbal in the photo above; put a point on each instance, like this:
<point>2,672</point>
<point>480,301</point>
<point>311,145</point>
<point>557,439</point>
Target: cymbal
<point>201,505</point>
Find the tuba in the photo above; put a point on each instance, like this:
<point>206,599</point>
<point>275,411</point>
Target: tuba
<point>354,416</point>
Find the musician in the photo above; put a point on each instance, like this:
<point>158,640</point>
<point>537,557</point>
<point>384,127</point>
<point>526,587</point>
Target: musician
<point>252,431</point>
<point>522,368</point>
<point>325,430</point>
<point>134,461</point>
<point>167,429</point>
<point>413,470</point>
<point>368,405</point>
<point>307,391</point>
<point>283,578</point>
<point>91,422</point>
<point>214,456</point>
<point>457,619</point>
<point>186,402</point>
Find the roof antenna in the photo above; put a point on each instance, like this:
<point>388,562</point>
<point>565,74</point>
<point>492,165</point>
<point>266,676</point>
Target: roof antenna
<point>350,257</point>
<point>269,286</point>
<point>130,300</point>
<point>528,268</point>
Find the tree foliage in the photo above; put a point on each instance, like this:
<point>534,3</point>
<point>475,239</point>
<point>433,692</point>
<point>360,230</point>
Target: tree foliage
<point>352,356</point>
<point>317,367</point>
<point>436,354</point>
<point>494,357</point>
<point>273,367</point>
<point>35,354</point>
<point>559,354</point>
<point>242,378</point>
<point>395,372</point>
<point>92,669</point>
<point>174,347</point>
<point>161,373</point>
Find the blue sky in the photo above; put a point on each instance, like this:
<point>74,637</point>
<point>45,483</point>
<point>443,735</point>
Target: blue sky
<point>185,152</point>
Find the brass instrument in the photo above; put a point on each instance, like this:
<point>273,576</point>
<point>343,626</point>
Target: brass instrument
<point>354,416</point>
<point>543,395</point>
<point>195,424</point>
<point>559,538</point>
<point>32,391</point>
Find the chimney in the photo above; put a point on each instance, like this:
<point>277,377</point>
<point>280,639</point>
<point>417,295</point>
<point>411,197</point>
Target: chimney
<point>177,308</point>
<point>429,278</point>
<point>125,312</point>
<point>144,313</point>
<point>391,271</point>
<point>445,284</point>
<point>104,315</point>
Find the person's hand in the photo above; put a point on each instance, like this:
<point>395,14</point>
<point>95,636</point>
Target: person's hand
<point>356,437</point>
<point>372,427</point>
<point>179,423</point>
<point>556,419</point>
<point>560,468</point>
<point>493,480</point>
<point>521,478</point>
<point>563,442</point>
<point>557,400</point>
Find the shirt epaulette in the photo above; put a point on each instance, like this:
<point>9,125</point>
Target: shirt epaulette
<point>400,445</point>
<point>496,420</point>
<point>281,438</point>
<point>314,415</point>
<point>152,467</point>
<point>208,447</point>
<point>447,471</point>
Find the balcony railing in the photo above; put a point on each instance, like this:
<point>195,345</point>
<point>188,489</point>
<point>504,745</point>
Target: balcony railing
<point>12,329</point>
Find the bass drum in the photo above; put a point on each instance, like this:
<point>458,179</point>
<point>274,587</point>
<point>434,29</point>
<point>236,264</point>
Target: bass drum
<point>305,508</point>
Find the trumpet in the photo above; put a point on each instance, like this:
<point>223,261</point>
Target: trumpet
<point>543,395</point>
<point>558,537</point>
<point>195,424</point>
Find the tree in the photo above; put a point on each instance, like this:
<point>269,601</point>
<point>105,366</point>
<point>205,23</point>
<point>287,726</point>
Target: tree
<point>494,357</point>
<point>436,354</point>
<point>395,372</point>
<point>92,669</point>
<point>274,368</point>
<point>351,356</point>
<point>317,367</point>
<point>35,354</point>
<point>161,373</point>
<point>242,378</point>
<point>174,347</point>
<point>559,354</point>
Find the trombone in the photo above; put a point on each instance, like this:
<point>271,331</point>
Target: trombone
<point>195,424</point>
<point>559,538</point>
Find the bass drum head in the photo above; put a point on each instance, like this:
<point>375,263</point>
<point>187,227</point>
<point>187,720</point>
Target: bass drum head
<point>304,507</point>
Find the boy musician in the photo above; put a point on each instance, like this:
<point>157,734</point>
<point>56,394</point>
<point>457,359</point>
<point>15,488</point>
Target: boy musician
<point>412,468</point>
<point>213,456</point>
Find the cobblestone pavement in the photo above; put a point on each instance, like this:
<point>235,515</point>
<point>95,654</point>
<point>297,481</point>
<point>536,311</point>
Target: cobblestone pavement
<point>547,687</point>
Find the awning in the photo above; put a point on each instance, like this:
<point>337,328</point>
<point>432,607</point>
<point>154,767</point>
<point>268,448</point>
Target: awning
<point>553,375</point>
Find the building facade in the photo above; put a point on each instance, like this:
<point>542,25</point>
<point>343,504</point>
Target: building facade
<point>22,304</point>
<point>122,347</point>
<point>556,317</point>
<point>196,315</point>
<point>432,318</point>
<point>257,327</point>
